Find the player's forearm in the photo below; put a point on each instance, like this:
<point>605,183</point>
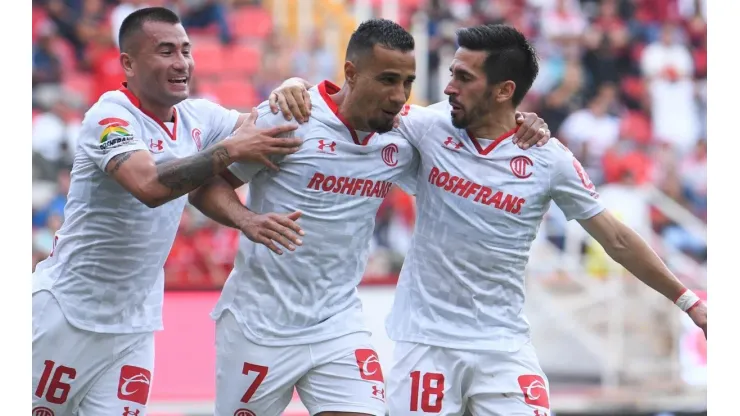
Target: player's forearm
<point>178,177</point>
<point>217,200</point>
<point>632,252</point>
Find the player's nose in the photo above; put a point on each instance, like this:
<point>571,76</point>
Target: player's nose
<point>398,97</point>
<point>450,89</point>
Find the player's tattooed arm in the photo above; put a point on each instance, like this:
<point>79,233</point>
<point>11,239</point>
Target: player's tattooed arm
<point>217,200</point>
<point>155,184</point>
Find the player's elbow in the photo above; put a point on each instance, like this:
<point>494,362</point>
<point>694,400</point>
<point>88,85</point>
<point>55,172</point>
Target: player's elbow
<point>618,245</point>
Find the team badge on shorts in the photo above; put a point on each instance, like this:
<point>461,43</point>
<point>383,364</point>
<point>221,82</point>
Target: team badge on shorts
<point>535,391</point>
<point>367,362</point>
<point>42,411</point>
<point>244,412</point>
<point>133,385</point>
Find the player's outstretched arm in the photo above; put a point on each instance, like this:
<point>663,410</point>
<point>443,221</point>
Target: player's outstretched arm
<point>217,200</point>
<point>155,184</point>
<point>626,247</point>
<point>292,99</point>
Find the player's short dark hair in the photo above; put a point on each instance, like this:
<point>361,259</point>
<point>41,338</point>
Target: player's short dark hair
<point>510,55</point>
<point>382,32</point>
<point>134,22</point>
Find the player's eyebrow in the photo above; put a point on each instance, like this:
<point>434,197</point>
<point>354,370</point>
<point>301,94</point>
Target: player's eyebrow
<point>461,71</point>
<point>171,45</point>
<point>392,74</point>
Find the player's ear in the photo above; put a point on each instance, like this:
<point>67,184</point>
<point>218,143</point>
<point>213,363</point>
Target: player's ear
<point>350,73</point>
<point>504,91</point>
<point>127,64</point>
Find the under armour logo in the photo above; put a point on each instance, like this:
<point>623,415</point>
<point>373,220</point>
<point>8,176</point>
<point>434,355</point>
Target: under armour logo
<point>378,392</point>
<point>156,146</point>
<point>332,146</point>
<point>450,142</point>
<point>127,412</point>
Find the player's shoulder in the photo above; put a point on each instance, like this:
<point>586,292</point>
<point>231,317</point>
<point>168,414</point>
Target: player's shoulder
<point>416,113</point>
<point>111,109</point>
<point>553,152</point>
<point>196,105</point>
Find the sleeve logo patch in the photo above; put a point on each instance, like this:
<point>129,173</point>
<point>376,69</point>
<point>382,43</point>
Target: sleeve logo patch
<point>115,133</point>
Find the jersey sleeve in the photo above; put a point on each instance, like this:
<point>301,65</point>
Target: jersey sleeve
<point>220,121</point>
<point>109,130</point>
<point>570,186</point>
<point>407,181</point>
<point>415,122</point>
<point>245,171</point>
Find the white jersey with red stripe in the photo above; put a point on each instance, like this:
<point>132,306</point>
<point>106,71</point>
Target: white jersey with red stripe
<point>479,206</point>
<point>338,180</point>
<point>106,269</point>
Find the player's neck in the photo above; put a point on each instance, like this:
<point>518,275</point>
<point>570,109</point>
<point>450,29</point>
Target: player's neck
<point>494,124</point>
<point>344,104</point>
<point>163,113</point>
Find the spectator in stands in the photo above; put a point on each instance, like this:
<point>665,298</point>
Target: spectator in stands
<point>120,12</point>
<point>591,131</point>
<point>676,236</point>
<point>52,134</point>
<point>102,60</point>
<point>46,65</point>
<point>315,61</point>
<point>566,98</point>
<point>669,68</point>
<point>563,24</point>
<point>606,42</point>
<point>694,179</point>
<point>55,206</point>
<point>65,14</point>
<point>203,13</point>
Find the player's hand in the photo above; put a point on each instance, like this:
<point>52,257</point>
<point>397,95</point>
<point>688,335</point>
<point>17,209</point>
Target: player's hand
<point>699,316</point>
<point>251,143</point>
<point>272,228</point>
<point>532,130</point>
<point>292,99</point>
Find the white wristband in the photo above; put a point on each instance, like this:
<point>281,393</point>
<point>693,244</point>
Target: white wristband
<point>687,300</point>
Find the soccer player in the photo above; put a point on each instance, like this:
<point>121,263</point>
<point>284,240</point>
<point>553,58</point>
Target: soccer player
<point>97,299</point>
<point>462,340</point>
<point>296,320</point>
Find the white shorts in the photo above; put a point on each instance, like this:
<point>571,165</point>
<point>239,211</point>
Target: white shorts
<point>338,375</point>
<point>444,381</point>
<point>77,372</point>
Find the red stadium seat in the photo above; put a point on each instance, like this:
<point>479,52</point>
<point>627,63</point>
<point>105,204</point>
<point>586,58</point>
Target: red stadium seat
<point>242,59</point>
<point>251,22</point>
<point>237,94</point>
<point>209,58</point>
<point>79,84</point>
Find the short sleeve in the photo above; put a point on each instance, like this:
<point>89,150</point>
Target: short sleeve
<point>408,180</point>
<point>221,121</point>
<point>570,186</point>
<point>245,171</point>
<point>415,122</point>
<point>109,130</point>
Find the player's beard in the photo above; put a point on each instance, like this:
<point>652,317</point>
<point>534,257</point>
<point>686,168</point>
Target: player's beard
<point>380,125</point>
<point>474,112</point>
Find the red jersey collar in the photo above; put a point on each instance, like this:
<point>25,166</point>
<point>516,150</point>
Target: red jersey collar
<point>135,101</point>
<point>327,89</point>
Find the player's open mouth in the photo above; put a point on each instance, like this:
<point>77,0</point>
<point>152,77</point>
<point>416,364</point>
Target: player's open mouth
<point>182,80</point>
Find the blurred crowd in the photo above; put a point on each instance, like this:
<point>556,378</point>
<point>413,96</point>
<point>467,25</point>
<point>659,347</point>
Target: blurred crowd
<point>622,83</point>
